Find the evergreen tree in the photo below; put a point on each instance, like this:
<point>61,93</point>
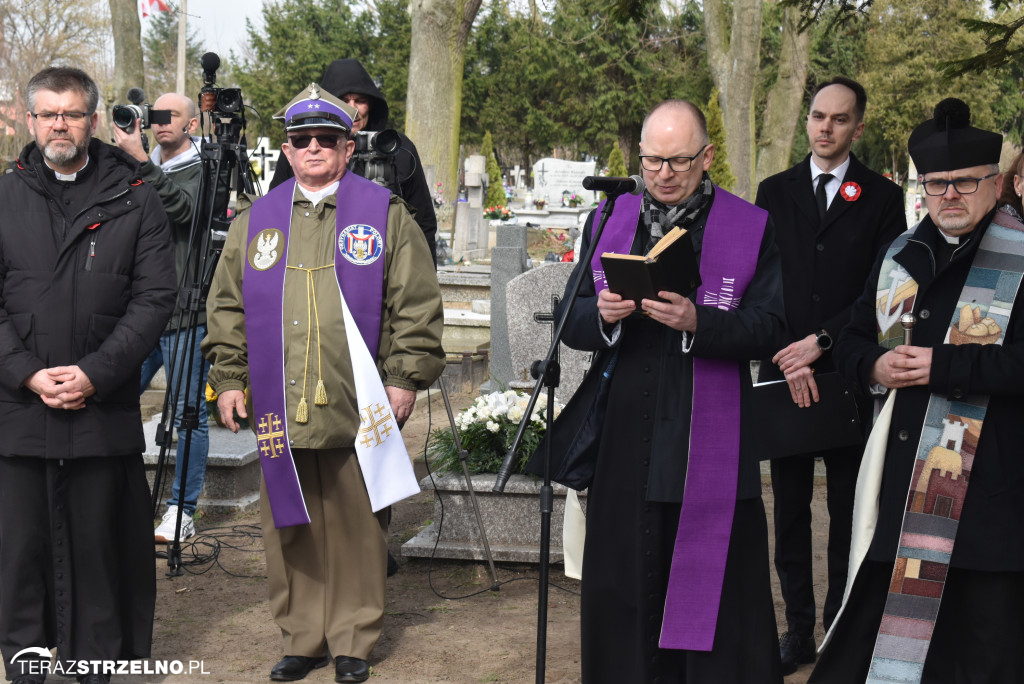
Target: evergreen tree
<point>617,162</point>
<point>160,56</point>
<point>495,188</point>
<point>721,173</point>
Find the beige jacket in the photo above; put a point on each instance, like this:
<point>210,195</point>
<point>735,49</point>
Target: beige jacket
<point>409,354</point>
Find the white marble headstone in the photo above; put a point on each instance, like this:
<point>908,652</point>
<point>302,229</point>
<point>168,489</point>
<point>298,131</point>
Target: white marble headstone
<point>552,177</point>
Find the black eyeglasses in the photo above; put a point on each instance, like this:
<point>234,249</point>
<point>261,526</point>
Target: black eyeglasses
<point>328,141</point>
<point>964,186</point>
<point>677,164</point>
<point>51,117</point>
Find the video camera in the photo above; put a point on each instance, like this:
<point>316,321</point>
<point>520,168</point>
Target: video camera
<point>124,116</point>
<point>374,157</point>
<point>220,101</point>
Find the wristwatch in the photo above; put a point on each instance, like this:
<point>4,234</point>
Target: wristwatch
<point>823,339</point>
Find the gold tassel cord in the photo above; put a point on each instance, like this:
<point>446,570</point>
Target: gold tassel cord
<point>320,395</point>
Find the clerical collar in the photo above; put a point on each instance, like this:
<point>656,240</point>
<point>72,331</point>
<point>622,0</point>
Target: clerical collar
<point>67,177</point>
<point>315,196</point>
<point>950,239</point>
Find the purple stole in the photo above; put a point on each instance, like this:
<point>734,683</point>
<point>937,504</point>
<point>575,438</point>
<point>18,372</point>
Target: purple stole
<point>728,260</point>
<point>361,222</point>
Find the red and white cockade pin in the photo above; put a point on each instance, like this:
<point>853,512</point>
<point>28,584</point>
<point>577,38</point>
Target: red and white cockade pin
<point>850,191</point>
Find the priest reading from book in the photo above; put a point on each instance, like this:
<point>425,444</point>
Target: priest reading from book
<point>676,586</point>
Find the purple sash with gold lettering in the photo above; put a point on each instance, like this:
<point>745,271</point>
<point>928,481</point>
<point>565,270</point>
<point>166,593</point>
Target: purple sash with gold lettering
<point>361,222</point>
<point>728,260</point>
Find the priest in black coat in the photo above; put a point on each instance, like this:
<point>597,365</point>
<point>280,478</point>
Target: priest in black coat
<point>968,593</point>
<point>633,445</point>
<point>832,215</point>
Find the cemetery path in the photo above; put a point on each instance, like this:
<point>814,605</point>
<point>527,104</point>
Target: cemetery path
<point>217,612</point>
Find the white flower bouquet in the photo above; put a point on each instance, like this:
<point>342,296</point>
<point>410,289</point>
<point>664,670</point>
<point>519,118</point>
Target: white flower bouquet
<point>487,429</point>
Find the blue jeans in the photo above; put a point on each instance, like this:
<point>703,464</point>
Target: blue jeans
<point>200,445</point>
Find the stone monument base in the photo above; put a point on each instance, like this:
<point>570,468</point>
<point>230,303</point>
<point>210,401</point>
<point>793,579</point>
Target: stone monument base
<point>511,520</point>
<point>232,469</point>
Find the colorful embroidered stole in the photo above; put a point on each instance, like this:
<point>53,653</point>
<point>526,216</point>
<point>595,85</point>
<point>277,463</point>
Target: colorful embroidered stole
<point>731,242</point>
<point>945,452</point>
<point>361,222</point>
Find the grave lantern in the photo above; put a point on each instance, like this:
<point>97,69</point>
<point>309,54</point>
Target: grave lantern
<point>565,198</point>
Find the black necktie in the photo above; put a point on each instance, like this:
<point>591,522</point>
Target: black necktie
<point>821,196</point>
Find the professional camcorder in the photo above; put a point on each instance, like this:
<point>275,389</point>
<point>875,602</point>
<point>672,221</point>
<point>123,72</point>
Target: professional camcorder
<point>125,115</point>
<point>374,157</point>
<point>370,143</point>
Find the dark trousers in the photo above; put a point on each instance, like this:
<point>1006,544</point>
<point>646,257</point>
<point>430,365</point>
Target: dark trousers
<point>793,488</point>
<point>76,558</point>
<point>977,638</point>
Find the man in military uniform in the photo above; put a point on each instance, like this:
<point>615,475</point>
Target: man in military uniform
<point>321,285</point>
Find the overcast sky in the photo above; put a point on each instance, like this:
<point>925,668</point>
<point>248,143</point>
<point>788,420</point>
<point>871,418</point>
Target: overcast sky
<point>221,23</point>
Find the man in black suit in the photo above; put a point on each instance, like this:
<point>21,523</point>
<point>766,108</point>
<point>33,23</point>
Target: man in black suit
<point>832,215</point>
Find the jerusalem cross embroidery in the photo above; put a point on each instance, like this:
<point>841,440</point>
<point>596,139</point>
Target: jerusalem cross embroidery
<point>725,299</point>
<point>377,424</point>
<point>270,436</point>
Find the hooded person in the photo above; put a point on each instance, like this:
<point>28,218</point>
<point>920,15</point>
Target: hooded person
<point>347,80</point>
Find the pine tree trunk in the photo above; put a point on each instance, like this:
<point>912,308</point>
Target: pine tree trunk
<point>785,100</point>
<point>440,29</point>
<point>734,61</point>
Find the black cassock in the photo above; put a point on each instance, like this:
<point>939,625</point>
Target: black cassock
<point>89,588</point>
<point>638,453</point>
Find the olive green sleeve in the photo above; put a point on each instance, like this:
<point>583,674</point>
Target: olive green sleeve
<point>413,314</point>
<point>225,347</point>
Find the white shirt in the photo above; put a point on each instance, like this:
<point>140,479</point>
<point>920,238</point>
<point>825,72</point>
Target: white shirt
<point>838,174</point>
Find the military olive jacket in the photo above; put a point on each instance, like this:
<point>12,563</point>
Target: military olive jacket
<point>409,354</point>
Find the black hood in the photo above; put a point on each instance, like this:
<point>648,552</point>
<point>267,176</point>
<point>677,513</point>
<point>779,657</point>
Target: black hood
<point>348,76</point>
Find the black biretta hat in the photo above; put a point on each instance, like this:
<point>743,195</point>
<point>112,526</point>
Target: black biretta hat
<point>947,141</point>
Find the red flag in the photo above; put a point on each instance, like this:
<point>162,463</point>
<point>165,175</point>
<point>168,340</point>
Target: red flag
<point>153,6</point>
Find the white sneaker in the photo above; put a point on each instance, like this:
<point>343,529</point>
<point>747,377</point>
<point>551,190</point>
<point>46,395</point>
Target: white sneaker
<point>164,532</point>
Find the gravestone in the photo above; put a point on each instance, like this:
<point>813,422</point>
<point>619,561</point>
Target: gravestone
<point>508,260</point>
<point>529,338</point>
<point>552,177</point>
<point>471,231</point>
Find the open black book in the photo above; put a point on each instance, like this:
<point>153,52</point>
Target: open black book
<point>671,265</point>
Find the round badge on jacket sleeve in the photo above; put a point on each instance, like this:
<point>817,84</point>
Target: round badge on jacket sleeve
<point>266,249</point>
<point>360,244</point>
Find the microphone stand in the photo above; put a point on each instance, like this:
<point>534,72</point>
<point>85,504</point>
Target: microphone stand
<point>547,373</point>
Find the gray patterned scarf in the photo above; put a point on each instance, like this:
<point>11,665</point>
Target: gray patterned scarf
<point>658,217</point>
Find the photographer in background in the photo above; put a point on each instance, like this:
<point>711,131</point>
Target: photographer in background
<point>174,170</point>
<point>347,80</point>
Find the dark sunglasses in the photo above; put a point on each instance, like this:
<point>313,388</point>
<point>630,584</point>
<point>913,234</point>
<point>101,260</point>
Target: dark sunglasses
<point>328,141</point>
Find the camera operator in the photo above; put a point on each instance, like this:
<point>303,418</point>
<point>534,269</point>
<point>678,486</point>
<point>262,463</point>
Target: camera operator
<point>347,80</point>
<point>174,170</point>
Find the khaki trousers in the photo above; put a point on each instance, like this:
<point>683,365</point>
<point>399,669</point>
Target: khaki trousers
<point>327,578</point>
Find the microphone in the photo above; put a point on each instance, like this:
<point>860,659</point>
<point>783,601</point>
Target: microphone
<point>136,96</point>
<point>614,185</point>
<point>211,62</point>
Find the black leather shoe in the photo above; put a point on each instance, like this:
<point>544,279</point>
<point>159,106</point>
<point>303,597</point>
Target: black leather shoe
<point>292,668</point>
<point>796,650</point>
<point>351,670</point>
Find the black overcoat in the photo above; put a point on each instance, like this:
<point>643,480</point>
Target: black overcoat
<point>990,536</point>
<point>98,299</point>
<point>825,263</point>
